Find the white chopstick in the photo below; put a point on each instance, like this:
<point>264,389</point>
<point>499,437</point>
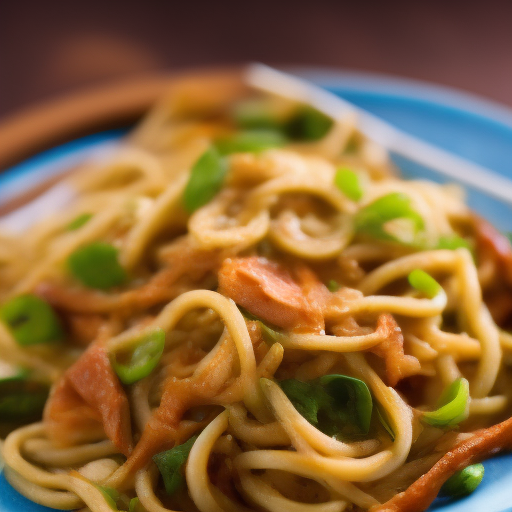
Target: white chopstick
<point>452,166</point>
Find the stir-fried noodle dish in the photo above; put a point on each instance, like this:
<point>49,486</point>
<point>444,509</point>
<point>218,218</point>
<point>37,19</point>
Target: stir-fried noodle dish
<point>245,308</point>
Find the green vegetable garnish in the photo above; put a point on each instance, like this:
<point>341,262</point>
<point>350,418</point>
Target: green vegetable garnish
<point>335,404</point>
<point>79,221</point>
<point>111,496</point>
<point>269,335</point>
<point>142,360</point>
<point>463,482</point>
<point>424,283</point>
<point>348,182</point>
<point>453,406</point>
<point>453,242</point>
<point>371,220</point>
<point>22,399</point>
<point>385,423</point>
<point>135,505</point>
<point>250,141</point>
<point>170,464</point>
<point>205,180</point>
<point>255,114</point>
<point>96,266</point>
<point>31,320</point>
<point>333,286</point>
<point>308,124</point>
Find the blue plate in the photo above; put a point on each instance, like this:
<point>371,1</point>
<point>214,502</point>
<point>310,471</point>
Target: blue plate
<point>469,126</point>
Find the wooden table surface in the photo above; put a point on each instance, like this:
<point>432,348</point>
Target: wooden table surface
<point>55,47</point>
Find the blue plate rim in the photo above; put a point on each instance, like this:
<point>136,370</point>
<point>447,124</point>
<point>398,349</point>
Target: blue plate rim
<point>397,86</point>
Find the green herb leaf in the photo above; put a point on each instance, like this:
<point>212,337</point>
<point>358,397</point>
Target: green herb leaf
<point>308,124</point>
<point>170,464</point>
<point>22,399</point>
<point>111,496</point>
<point>333,286</point>
<point>142,360</point>
<point>79,221</point>
<point>307,398</point>
<point>31,320</point>
<point>96,266</point>
<point>250,141</point>
<point>348,182</point>
<point>453,406</point>
<point>385,423</point>
<point>335,404</point>
<point>353,395</point>
<point>424,283</point>
<point>205,180</point>
<point>463,482</point>
<point>371,220</point>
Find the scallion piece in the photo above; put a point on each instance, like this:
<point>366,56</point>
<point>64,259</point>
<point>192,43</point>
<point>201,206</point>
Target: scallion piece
<point>111,496</point>
<point>254,114</point>
<point>453,406</point>
<point>140,362</point>
<point>308,124</point>
<point>22,399</point>
<point>424,283</point>
<point>335,404</point>
<point>333,286</point>
<point>170,464</point>
<point>463,482</point>
<point>348,182</point>
<point>250,141</point>
<point>205,180</point>
<point>270,335</point>
<point>453,242</point>
<point>135,505</point>
<point>79,221</point>
<point>97,266</point>
<point>371,220</point>
<point>31,320</point>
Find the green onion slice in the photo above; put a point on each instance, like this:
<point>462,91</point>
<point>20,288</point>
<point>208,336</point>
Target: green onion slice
<point>453,406</point>
<point>97,266</point>
<point>111,496</point>
<point>251,141</point>
<point>31,320</point>
<point>269,335</point>
<point>140,362</point>
<point>205,180</point>
<point>170,465</point>
<point>463,482</point>
<point>308,124</point>
<point>348,182</point>
<point>335,404</point>
<point>333,286</point>
<point>453,242</point>
<point>424,283</point>
<point>135,505</point>
<point>254,114</point>
<point>79,221</point>
<point>371,220</point>
<point>22,399</point>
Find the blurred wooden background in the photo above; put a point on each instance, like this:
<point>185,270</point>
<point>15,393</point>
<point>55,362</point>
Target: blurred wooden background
<point>50,48</point>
